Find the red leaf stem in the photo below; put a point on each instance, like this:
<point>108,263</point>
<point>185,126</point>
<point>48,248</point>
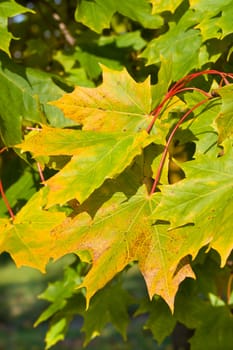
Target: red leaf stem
<point>179,86</point>
<point>203,92</point>
<point>40,172</point>
<point>157,111</point>
<point>161,164</point>
<point>229,287</point>
<point>6,201</point>
<point>3,149</point>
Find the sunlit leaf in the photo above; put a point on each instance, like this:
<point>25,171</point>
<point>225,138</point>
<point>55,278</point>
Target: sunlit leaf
<point>123,232</point>
<point>196,199</point>
<point>97,157</point>
<point>175,45</point>
<point>165,5</point>
<point>119,103</point>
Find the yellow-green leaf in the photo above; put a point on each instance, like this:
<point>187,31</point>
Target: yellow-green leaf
<point>28,238</point>
<point>123,231</point>
<point>97,156</point>
<point>118,104</point>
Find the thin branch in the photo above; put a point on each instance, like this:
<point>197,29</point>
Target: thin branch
<point>6,201</point>
<point>3,149</point>
<point>40,172</point>
<point>162,161</point>
<point>62,26</point>
<point>229,285</point>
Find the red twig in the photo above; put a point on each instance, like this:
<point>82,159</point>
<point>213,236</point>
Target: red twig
<point>195,89</point>
<point>3,149</point>
<point>157,111</point>
<point>178,87</point>
<point>162,161</point>
<point>40,172</point>
<point>229,285</point>
<point>6,201</point>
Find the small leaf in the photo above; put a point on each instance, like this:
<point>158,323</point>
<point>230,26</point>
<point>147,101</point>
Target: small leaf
<point>113,310</point>
<point>160,321</point>
<point>58,293</point>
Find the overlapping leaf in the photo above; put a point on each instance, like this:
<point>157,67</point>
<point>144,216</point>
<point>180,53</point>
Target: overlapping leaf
<point>28,91</point>
<point>97,14</point>
<point>97,156</point>
<point>197,200</point>
<point>122,232</point>
<point>175,45</point>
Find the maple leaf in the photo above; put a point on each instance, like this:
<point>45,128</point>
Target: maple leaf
<point>119,103</point>
<point>195,200</point>
<point>122,232</point>
<point>114,310</point>
<point>97,156</point>
<point>28,239</point>
<point>160,321</point>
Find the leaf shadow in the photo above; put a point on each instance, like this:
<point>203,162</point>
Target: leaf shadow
<point>128,183</point>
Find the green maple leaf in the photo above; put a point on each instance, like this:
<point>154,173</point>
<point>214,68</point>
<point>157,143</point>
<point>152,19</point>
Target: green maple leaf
<point>218,325</point>
<point>114,310</point>
<point>121,232</point>
<point>204,199</point>
<point>160,321</point>
<point>97,156</point>
<point>224,22</point>
<point>58,294</point>
<point>175,45</point>
<point>97,14</point>
<point>28,91</point>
